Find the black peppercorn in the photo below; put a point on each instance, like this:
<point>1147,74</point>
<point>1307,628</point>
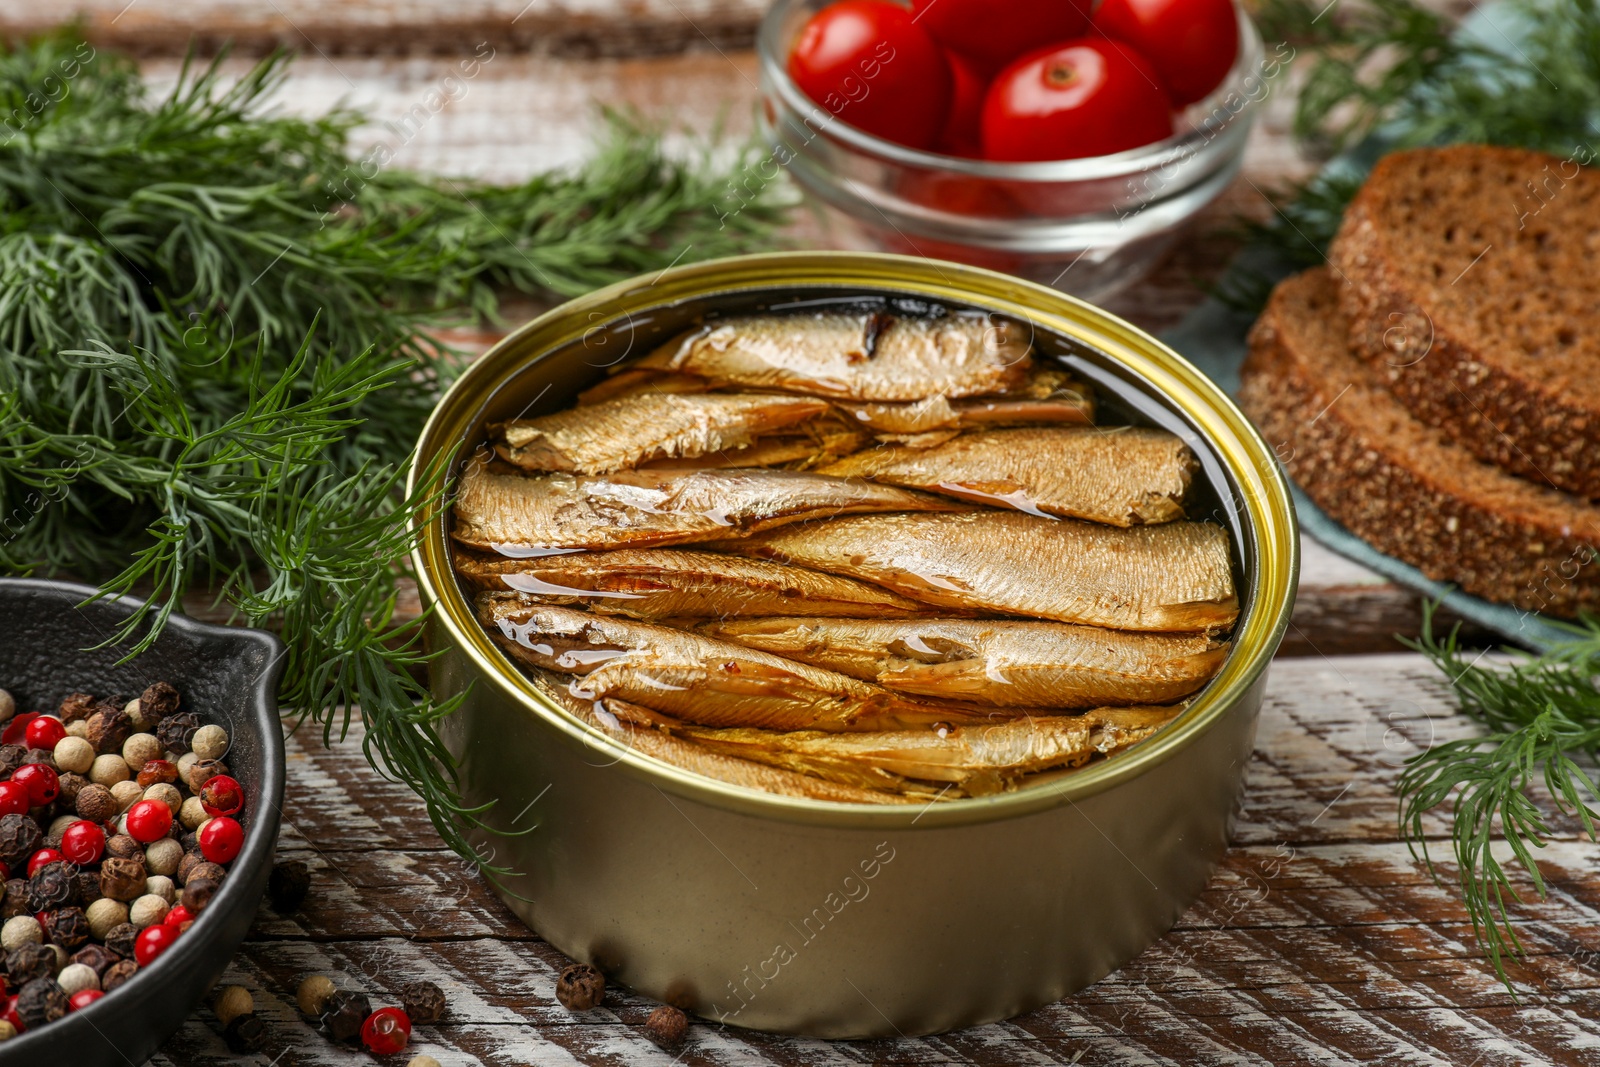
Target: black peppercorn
<point>344,1014</point>
<point>16,899</point>
<point>27,962</point>
<point>423,1002</point>
<point>67,927</point>
<point>122,879</point>
<point>580,987</point>
<point>197,893</point>
<point>667,1027</point>
<point>157,702</point>
<point>176,730</point>
<point>245,1033</point>
<point>117,973</point>
<point>120,939</point>
<point>109,728</point>
<point>76,706</point>
<point>41,755</point>
<point>121,846</point>
<point>11,757</point>
<point>288,885</point>
<point>96,957</point>
<point>20,837</point>
<point>54,885</point>
<point>190,842</point>
<point>71,783</point>
<point>191,859</point>
<point>89,887</point>
<point>41,1001</point>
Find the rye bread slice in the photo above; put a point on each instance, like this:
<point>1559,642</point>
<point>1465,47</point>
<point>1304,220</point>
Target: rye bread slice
<point>1473,289</point>
<point>1403,486</point>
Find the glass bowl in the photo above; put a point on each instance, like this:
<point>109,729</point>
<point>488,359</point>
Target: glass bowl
<point>1085,226</point>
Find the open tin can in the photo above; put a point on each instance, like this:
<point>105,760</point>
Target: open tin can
<point>841,920</point>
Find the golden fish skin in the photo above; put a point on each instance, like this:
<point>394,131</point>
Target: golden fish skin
<point>987,661</point>
<point>1122,475</point>
<point>635,727</point>
<point>977,759</point>
<point>659,583</point>
<point>695,678</point>
<point>634,381</point>
<point>862,356</point>
<point>1172,576</point>
<point>1048,395</point>
<point>622,434</point>
<point>514,513</point>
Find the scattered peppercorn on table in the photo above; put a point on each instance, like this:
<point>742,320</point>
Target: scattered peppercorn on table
<point>1319,939</point>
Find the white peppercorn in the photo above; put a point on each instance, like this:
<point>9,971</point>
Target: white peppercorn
<point>185,762</point>
<point>147,911</point>
<point>8,705</point>
<point>105,914</point>
<point>140,749</point>
<point>109,769</point>
<point>78,729</point>
<point>74,754</point>
<point>159,885</point>
<point>210,742</point>
<point>76,977</point>
<point>20,930</point>
<point>135,713</point>
<point>126,794</point>
<point>231,1002</point>
<point>192,814</point>
<point>7,1031</point>
<point>58,826</point>
<point>423,1060</point>
<point>167,794</point>
<point>313,994</point>
<point>163,856</point>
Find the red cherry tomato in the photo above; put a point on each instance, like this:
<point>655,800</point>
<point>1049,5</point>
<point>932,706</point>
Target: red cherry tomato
<point>149,820</point>
<point>40,858</point>
<point>994,32</point>
<point>16,731</point>
<point>41,782</point>
<point>386,1031</point>
<point>969,83</point>
<point>44,732</point>
<point>84,997</point>
<point>221,795</point>
<point>869,64</point>
<point>83,842</point>
<point>221,839</point>
<point>1190,43</point>
<point>14,798</point>
<point>152,942</point>
<point>1082,98</point>
<point>957,194</point>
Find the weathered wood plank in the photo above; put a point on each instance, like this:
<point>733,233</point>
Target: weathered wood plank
<point>1319,940</point>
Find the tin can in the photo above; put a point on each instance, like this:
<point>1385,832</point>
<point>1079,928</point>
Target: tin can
<point>838,920</point>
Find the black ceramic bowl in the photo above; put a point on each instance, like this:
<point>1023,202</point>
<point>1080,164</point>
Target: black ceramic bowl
<point>230,677</point>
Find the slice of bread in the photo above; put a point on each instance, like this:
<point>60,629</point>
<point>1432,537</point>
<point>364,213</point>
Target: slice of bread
<point>1474,288</point>
<point>1405,487</point>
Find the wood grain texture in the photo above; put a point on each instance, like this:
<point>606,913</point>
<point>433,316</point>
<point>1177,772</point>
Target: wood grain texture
<point>1319,940</point>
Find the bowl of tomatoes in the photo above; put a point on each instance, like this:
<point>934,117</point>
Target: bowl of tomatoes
<point>1065,141</point>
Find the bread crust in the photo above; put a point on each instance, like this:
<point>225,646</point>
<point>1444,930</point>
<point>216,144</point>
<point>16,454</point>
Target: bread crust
<point>1494,412</point>
<point>1427,502</point>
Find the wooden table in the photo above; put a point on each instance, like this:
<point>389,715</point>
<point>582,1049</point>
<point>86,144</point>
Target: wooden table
<point>1320,939</point>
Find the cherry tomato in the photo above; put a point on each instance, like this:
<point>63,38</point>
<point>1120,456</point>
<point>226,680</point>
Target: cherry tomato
<point>14,798</point>
<point>44,732</point>
<point>221,839</point>
<point>83,842</point>
<point>957,194</point>
<point>149,820</point>
<point>994,32</point>
<point>16,731</point>
<point>41,782</point>
<point>868,63</point>
<point>152,941</point>
<point>1082,98</point>
<point>969,83</point>
<point>1190,43</point>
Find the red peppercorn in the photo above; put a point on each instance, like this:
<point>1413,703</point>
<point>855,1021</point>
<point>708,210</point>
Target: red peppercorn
<point>152,942</point>
<point>44,732</point>
<point>16,730</point>
<point>83,842</point>
<point>386,1031</point>
<point>221,795</point>
<point>83,998</point>
<point>177,915</point>
<point>8,1013</point>
<point>221,839</point>
<point>40,858</point>
<point>41,782</point>
<point>14,798</point>
<point>149,820</point>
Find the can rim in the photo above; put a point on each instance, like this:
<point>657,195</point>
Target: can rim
<point>1263,499</point>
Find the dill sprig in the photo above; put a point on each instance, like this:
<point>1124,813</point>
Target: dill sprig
<point>1403,76</point>
<point>1541,723</point>
<point>216,352</point>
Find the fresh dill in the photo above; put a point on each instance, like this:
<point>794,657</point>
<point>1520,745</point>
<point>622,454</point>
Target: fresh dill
<point>1541,723</point>
<point>216,352</point>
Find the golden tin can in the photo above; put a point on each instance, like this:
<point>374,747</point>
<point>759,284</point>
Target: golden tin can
<point>838,920</point>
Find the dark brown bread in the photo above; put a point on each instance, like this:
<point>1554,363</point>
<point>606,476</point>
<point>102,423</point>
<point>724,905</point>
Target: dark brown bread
<point>1406,488</point>
<point>1473,288</point>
